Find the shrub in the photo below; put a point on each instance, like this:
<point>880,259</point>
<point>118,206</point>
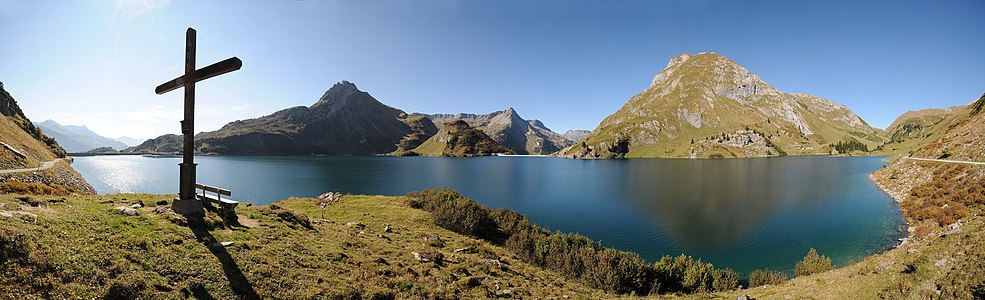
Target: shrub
<point>724,280</point>
<point>813,263</point>
<point>765,276</point>
<point>454,212</point>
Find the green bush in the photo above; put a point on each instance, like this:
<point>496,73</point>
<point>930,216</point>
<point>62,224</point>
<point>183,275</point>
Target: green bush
<point>454,212</point>
<point>724,280</point>
<point>765,276</point>
<point>813,263</point>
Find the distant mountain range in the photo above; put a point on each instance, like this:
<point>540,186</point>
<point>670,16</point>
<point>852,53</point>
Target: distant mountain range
<point>509,129</point>
<point>575,135</point>
<point>346,120</point>
<point>130,141</point>
<point>706,105</point>
<point>78,139</point>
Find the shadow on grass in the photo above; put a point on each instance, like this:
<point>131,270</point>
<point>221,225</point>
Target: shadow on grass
<point>240,285</point>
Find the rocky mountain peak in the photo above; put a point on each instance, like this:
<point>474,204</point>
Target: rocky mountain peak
<point>339,92</point>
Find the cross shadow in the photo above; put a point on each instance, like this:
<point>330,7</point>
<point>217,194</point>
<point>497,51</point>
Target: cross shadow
<point>240,285</point>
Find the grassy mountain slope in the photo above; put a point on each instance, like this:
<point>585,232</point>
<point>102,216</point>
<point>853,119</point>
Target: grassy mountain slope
<point>509,129</point>
<point>458,139</point>
<point>707,106</point>
<point>964,138</point>
<point>360,247</point>
<point>914,129</point>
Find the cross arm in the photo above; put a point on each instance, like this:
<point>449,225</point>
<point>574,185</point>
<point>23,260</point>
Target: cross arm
<point>213,70</point>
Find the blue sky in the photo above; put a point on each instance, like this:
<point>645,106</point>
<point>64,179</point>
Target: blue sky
<point>567,63</point>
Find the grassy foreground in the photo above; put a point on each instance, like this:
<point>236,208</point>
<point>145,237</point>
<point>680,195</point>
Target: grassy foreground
<point>363,247</point>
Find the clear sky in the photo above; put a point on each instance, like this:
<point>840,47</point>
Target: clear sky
<point>567,63</point>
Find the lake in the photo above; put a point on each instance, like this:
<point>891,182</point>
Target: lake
<point>743,214</point>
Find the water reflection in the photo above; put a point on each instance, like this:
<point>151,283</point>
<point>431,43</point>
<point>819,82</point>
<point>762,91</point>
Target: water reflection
<point>740,213</point>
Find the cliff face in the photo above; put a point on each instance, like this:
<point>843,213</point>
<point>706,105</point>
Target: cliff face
<point>707,105</point>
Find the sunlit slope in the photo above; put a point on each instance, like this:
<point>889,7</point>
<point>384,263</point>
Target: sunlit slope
<point>706,105</point>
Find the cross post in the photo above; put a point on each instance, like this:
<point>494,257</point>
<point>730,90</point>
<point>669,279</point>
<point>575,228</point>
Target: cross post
<point>186,202</point>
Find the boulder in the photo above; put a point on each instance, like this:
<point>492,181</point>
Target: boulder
<point>127,211</point>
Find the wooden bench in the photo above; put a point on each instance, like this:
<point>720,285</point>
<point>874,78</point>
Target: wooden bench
<point>226,205</point>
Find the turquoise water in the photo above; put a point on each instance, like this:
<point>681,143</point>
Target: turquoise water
<point>739,213</point>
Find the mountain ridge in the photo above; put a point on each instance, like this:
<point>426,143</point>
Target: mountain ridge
<point>77,139</point>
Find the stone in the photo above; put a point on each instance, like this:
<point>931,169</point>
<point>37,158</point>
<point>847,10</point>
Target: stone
<point>127,211</point>
<point>161,209</point>
<point>387,229</point>
<point>355,224</point>
<point>940,263</point>
<point>743,297</point>
<point>466,250</point>
<point>912,251</point>
<point>137,205</point>
<point>885,265</point>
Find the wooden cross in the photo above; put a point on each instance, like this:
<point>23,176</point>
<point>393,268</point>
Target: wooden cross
<point>186,189</point>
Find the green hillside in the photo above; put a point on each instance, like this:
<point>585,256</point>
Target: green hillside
<point>706,105</point>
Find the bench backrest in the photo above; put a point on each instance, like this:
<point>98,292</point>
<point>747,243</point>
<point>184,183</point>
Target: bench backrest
<point>220,191</point>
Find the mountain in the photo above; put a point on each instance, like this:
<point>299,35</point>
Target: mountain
<point>168,143</point>
<point>509,129</point>
<point>914,129</point>
<point>706,105</point>
<point>77,139</point>
<point>458,139</point>
<point>963,138</point>
<point>344,120</point>
<point>574,136</point>
<point>24,146</point>
<point>130,141</point>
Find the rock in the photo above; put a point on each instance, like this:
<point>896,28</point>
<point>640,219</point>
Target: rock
<point>912,251</point>
<point>387,229</point>
<point>355,224</point>
<point>953,228</point>
<point>505,292</point>
<point>418,257</point>
<point>137,205</point>
<point>161,209</point>
<point>466,250</point>
<point>381,261</point>
<point>743,297</point>
<point>885,265</point>
<point>127,211</point>
<point>492,262</point>
<point>940,263</point>
<point>224,244</point>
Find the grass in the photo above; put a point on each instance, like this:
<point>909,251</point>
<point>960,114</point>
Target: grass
<point>83,248</point>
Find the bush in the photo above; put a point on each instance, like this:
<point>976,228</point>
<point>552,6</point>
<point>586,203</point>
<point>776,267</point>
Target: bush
<point>765,276</point>
<point>813,263</point>
<point>724,280</point>
<point>454,212</point>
